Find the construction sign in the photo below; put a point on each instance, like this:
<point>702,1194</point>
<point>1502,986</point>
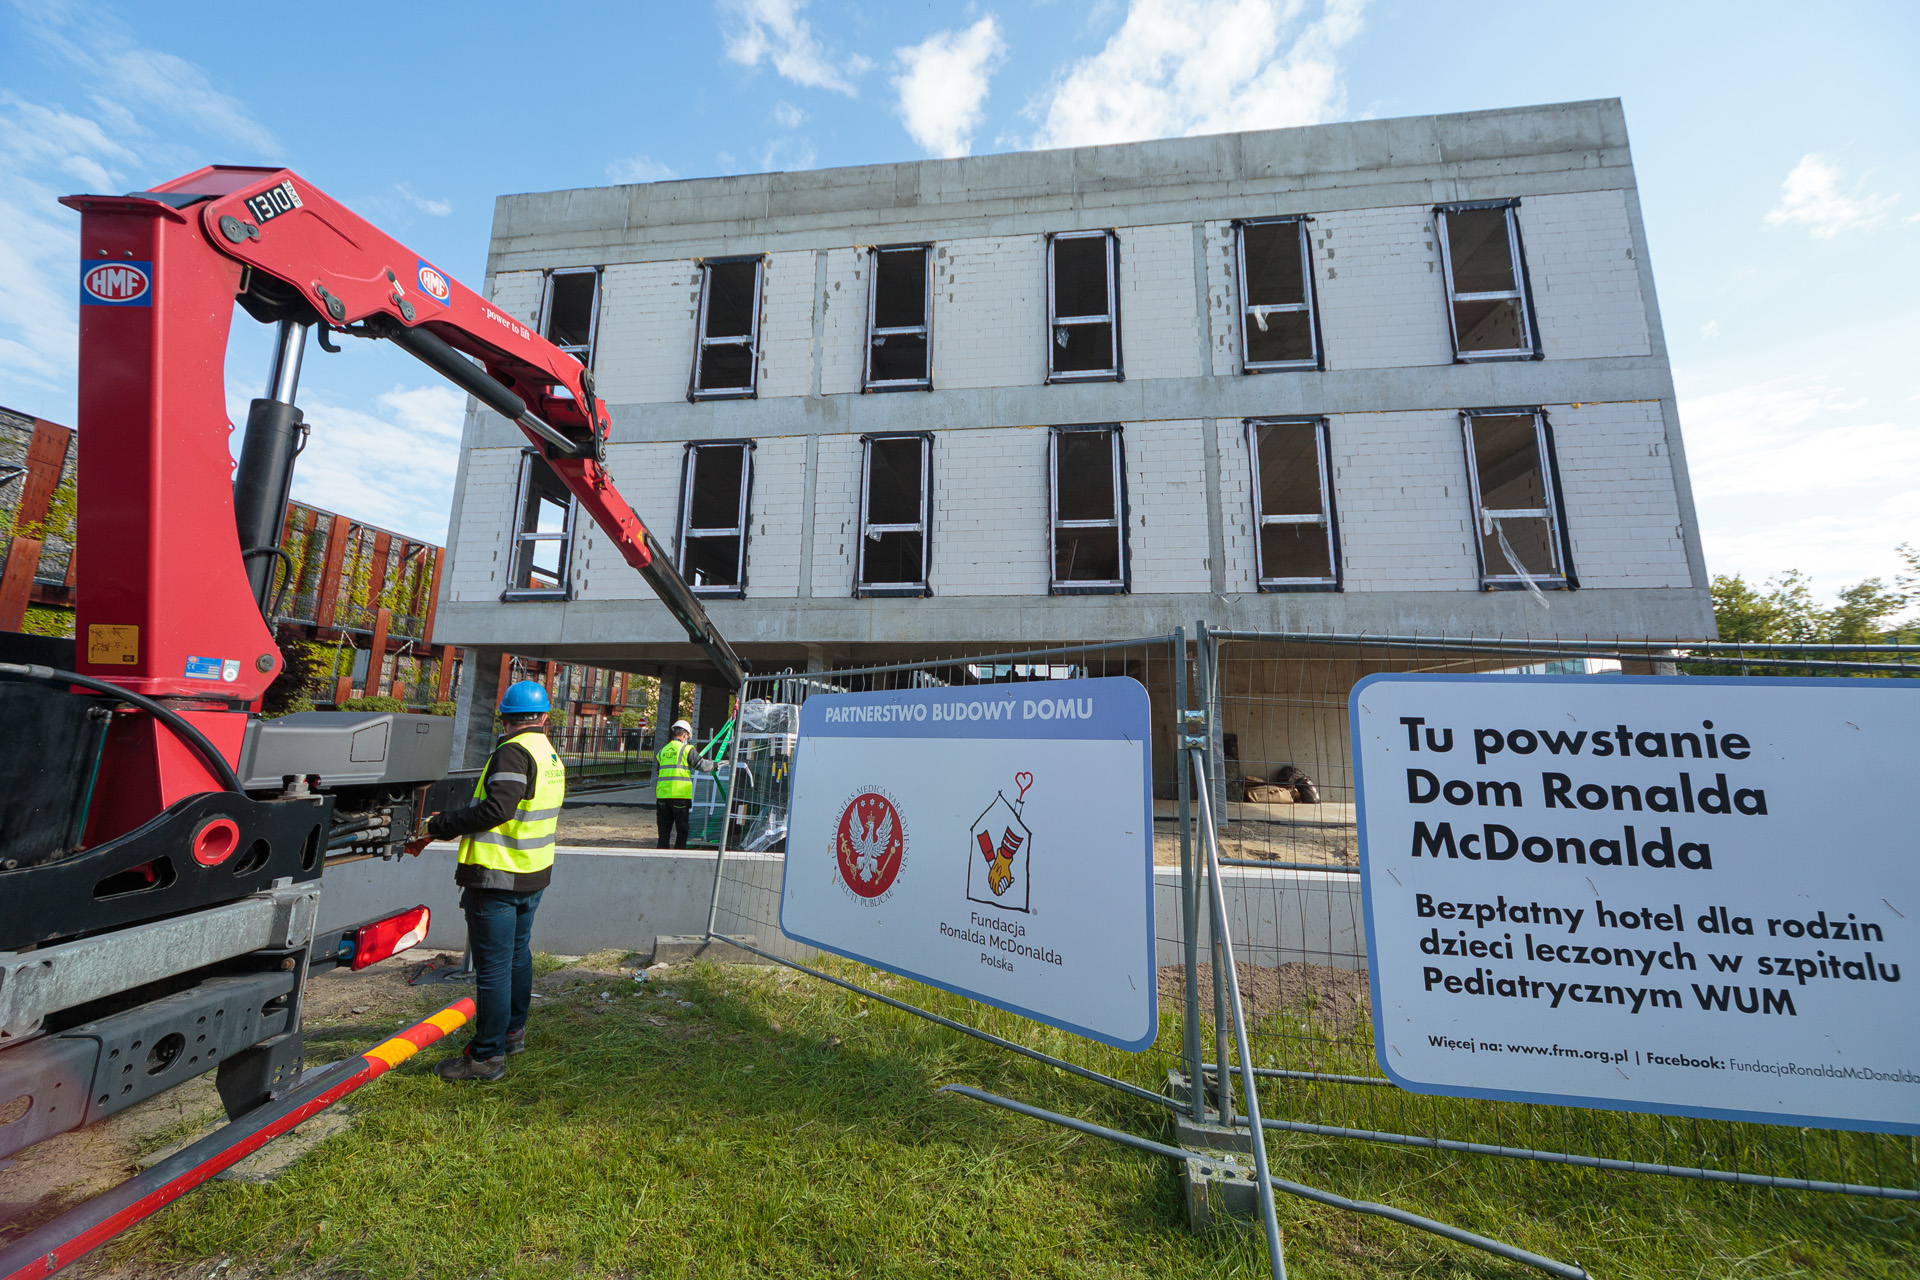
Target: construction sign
<point>1689,896</point>
<point>993,841</point>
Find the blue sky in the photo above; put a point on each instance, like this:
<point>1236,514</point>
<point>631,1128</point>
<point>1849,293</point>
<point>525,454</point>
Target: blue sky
<point>1777,146</point>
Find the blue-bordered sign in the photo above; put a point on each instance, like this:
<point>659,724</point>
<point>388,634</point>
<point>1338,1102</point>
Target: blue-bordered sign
<point>1684,896</point>
<point>124,283</point>
<point>994,841</point>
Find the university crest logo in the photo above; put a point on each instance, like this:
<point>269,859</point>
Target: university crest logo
<point>999,851</point>
<point>870,844</point>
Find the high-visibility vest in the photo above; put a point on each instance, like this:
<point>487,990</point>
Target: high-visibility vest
<point>672,772</point>
<point>524,842</point>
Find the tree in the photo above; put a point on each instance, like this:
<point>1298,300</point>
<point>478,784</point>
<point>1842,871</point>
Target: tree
<point>1784,612</point>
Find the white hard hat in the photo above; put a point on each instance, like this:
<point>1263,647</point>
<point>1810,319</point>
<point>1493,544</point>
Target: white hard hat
<point>678,725</point>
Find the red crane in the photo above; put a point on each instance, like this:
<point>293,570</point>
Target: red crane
<point>161,846</point>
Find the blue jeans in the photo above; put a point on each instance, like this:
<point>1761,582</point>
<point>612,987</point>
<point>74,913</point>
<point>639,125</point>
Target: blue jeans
<point>500,931</point>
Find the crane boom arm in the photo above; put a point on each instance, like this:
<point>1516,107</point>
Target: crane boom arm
<point>308,259</point>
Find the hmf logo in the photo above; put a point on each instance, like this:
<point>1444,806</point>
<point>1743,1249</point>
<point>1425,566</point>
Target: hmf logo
<point>116,284</point>
<point>870,844</point>
<point>434,283</point>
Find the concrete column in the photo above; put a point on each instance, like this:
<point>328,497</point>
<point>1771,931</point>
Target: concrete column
<point>713,706</point>
<point>473,708</point>
<point>693,711</point>
<point>668,710</point>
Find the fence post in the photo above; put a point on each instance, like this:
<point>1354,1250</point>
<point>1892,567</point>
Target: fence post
<point>1214,801</point>
<point>1189,898</point>
<point>726,812</point>
<point>1223,949</point>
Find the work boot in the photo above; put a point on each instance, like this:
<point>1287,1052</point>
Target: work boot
<point>464,1066</point>
<point>516,1042</point>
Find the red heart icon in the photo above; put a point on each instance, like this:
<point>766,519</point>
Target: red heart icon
<point>1024,780</point>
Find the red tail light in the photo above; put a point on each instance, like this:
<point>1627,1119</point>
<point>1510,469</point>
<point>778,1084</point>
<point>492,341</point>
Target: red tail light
<point>374,942</point>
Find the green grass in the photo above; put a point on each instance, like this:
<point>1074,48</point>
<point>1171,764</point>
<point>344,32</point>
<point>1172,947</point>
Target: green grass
<point>782,1127</point>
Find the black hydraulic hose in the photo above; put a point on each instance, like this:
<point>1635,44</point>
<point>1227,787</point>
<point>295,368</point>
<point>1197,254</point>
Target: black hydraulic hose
<point>210,754</point>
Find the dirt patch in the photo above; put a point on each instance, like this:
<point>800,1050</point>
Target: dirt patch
<point>1277,841</point>
<point>1334,1002</point>
<point>610,826</point>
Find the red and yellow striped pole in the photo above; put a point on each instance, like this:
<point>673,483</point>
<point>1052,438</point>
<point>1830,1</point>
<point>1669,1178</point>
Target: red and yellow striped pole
<point>85,1227</point>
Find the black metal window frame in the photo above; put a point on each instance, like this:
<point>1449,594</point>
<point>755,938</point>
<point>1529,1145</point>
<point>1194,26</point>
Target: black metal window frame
<point>523,540</point>
<point>1311,307</point>
<point>584,354</point>
<point>689,459</point>
<point>1523,293</point>
<point>1329,518</point>
<point>751,342</point>
<point>1056,322</point>
<point>1555,511</point>
<point>924,587</point>
<point>1120,521</point>
<point>876,335</point>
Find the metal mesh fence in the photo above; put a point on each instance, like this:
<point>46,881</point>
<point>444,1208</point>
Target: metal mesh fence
<point>752,864</point>
<point>1285,807</point>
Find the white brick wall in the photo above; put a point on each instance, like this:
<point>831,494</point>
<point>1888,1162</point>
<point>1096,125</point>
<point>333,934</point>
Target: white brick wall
<point>990,312</point>
<point>518,294</point>
<point>1400,485</point>
<point>1223,297</point>
<point>1617,484</point>
<point>479,563</point>
<point>1167,500</point>
<point>779,497</point>
<point>648,477</point>
<point>643,353</point>
<point>844,323</point>
<point>836,516</point>
<point>1156,302</point>
<point>786,325</point>
<point>990,512</point>
<point>1586,284</point>
<point>1236,507</point>
<point>1382,299</point>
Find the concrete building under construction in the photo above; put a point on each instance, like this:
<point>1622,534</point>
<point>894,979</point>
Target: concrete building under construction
<point>1393,376</point>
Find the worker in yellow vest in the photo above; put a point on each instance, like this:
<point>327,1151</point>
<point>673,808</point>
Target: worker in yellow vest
<point>673,767</point>
<point>507,838</point>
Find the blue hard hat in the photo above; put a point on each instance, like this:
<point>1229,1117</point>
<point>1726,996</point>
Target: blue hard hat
<point>525,698</point>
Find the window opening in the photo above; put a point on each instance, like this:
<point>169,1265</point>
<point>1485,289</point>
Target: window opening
<point>1089,536</point>
<point>1522,536</point>
<point>1297,542</point>
<point>1082,313</point>
<point>1489,309</point>
<point>543,534</point>
<point>899,318</point>
<point>570,311</point>
<point>1277,328</point>
<point>724,363</point>
<point>713,517</point>
<point>893,526</point>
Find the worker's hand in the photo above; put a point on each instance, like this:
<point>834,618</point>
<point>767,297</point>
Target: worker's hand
<point>415,846</point>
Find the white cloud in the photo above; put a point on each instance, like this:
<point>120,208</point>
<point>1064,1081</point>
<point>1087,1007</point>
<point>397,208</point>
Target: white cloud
<point>1811,197</point>
<point>942,85</point>
<point>788,116</point>
<point>773,31</point>
<point>638,169</point>
<point>1799,472</point>
<point>788,155</point>
<point>133,82</point>
<point>1711,329</point>
<point>438,208</point>
<point>1204,66</point>
<point>413,431</point>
